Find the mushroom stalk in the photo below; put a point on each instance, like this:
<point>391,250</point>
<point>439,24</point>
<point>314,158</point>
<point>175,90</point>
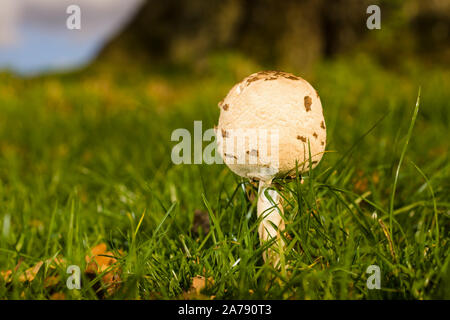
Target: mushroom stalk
<point>271,223</point>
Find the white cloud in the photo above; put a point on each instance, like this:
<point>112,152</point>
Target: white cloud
<point>9,17</point>
<point>98,17</point>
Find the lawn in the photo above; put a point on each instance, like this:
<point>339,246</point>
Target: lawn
<point>85,169</point>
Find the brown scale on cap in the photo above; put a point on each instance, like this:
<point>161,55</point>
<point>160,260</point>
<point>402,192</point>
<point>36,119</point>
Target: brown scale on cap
<point>308,103</point>
<point>271,75</point>
<point>301,138</point>
<point>292,78</point>
<point>230,156</point>
<point>322,125</point>
<point>322,143</point>
<point>225,107</point>
<point>250,80</point>
<point>315,135</point>
<point>224,133</point>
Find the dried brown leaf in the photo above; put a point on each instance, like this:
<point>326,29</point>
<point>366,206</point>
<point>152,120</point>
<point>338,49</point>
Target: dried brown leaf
<point>31,273</point>
<point>99,261</point>
<point>199,283</point>
<point>58,296</point>
<point>51,281</point>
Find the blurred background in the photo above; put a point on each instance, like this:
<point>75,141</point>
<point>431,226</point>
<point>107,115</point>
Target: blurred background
<point>290,34</point>
<point>34,37</point>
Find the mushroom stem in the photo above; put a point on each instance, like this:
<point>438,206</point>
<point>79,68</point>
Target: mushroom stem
<point>272,222</point>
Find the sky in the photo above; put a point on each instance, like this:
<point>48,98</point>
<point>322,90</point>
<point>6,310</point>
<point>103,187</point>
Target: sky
<point>34,37</point>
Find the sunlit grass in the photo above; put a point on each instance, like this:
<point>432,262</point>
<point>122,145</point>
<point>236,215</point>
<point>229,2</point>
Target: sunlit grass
<point>83,156</point>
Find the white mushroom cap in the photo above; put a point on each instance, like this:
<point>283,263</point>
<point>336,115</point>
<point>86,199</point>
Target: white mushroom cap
<point>281,104</point>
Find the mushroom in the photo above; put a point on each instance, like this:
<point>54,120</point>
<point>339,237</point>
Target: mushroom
<point>270,124</point>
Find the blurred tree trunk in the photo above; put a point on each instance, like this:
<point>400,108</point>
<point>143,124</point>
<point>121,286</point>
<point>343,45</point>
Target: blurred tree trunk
<point>275,32</point>
<point>292,33</point>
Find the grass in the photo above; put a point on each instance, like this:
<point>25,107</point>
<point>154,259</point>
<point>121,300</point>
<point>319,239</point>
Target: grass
<point>85,160</point>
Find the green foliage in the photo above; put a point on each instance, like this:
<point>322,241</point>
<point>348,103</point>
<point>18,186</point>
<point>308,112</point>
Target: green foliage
<point>84,155</point>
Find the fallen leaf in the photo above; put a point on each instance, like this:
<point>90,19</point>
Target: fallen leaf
<point>51,281</point>
<point>99,261</point>
<point>6,275</point>
<point>54,262</point>
<point>58,296</point>
<point>31,273</point>
<point>112,281</point>
<point>199,283</point>
<point>99,249</point>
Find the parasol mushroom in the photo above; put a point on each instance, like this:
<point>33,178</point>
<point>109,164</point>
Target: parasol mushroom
<point>270,124</point>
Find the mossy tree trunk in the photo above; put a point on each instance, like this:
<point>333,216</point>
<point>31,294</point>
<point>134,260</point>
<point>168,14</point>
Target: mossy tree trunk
<point>274,32</point>
<point>293,33</point>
